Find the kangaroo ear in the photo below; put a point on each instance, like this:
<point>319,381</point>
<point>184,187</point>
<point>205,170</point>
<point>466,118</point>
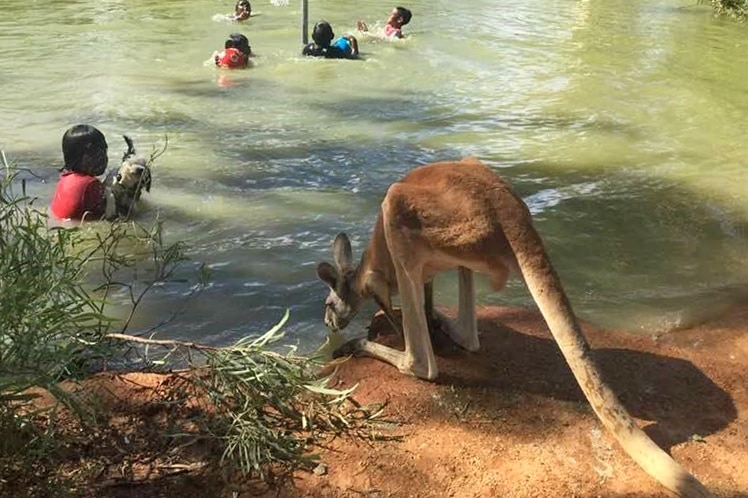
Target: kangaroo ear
<point>341,251</point>
<point>328,274</point>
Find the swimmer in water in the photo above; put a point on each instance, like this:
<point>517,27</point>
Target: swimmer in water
<point>345,47</point>
<point>242,11</point>
<point>79,193</point>
<point>399,17</point>
<point>235,54</point>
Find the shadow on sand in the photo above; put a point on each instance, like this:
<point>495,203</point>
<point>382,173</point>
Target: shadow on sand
<point>681,402</point>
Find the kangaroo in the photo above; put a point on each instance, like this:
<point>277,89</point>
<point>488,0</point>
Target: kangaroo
<point>462,215</point>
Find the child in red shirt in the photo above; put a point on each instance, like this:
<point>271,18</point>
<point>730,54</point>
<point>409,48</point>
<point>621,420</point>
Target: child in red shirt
<point>236,52</point>
<point>79,194</point>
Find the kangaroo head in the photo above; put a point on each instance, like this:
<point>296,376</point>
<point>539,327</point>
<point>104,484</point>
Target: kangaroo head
<point>344,299</point>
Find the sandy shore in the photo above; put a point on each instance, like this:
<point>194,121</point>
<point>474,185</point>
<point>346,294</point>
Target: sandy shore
<point>510,421</point>
<point>507,421</point>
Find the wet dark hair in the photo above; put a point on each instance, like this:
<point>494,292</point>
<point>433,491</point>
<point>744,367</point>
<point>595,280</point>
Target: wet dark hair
<point>243,3</point>
<point>238,41</point>
<point>322,34</point>
<point>313,50</point>
<point>405,14</point>
<point>76,142</point>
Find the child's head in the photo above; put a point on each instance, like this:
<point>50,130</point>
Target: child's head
<point>322,34</point>
<point>242,10</point>
<point>400,16</point>
<point>239,41</point>
<point>84,150</point>
<point>230,58</point>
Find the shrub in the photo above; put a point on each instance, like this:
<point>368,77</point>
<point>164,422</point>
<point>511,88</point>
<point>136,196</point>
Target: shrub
<point>265,408</point>
<point>737,9</point>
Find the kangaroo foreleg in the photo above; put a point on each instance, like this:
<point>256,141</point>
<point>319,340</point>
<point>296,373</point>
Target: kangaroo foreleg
<point>433,317</point>
<point>365,347</point>
<point>391,319</point>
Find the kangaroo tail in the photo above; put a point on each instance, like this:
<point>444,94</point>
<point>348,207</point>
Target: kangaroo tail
<point>546,289</point>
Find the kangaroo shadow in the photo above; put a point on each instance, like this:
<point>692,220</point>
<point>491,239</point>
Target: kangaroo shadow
<point>677,397</point>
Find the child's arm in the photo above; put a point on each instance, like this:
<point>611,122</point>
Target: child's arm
<point>95,201</point>
<point>111,205</point>
<point>354,43</point>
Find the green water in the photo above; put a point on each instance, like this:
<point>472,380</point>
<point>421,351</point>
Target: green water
<point>622,124</point>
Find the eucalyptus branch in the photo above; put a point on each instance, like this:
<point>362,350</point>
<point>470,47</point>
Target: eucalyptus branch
<point>156,153</point>
<point>160,342</point>
<point>267,407</point>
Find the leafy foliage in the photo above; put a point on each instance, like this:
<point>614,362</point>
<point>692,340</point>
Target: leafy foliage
<point>266,408</point>
<point>53,322</point>
<point>47,320</point>
<point>270,405</point>
<point>737,9</point>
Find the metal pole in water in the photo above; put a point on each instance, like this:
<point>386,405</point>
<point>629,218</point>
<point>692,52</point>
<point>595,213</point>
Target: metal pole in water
<point>304,21</point>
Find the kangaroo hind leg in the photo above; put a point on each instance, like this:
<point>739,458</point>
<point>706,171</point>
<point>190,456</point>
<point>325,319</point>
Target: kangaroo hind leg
<point>418,358</point>
<point>464,330</point>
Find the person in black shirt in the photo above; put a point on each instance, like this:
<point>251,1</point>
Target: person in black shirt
<point>345,47</point>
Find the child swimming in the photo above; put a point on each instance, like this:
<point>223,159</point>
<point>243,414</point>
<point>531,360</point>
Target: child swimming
<point>79,193</point>
<point>345,47</point>
<point>242,10</point>
<point>235,54</point>
<point>399,17</point>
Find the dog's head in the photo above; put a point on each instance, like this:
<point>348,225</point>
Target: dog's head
<point>132,178</point>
